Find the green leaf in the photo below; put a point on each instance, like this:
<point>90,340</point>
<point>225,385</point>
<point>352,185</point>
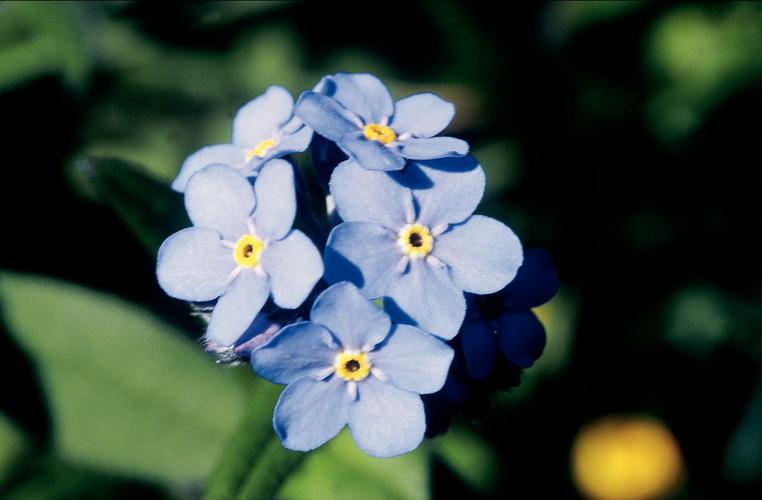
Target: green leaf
<point>127,393</point>
<point>12,447</point>
<point>150,208</point>
<point>339,470</point>
<point>470,457</point>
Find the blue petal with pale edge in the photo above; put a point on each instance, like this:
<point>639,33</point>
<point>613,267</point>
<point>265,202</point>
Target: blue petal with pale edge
<point>521,337</point>
<point>364,253</point>
<point>482,254</point>
<point>310,412</point>
<point>433,148</point>
<point>354,320</point>
<point>363,195</point>
<point>326,116</point>
<point>293,265</point>
<point>299,350</point>
<point>220,198</point>
<point>194,265</point>
<point>276,200</point>
<point>370,154</point>
<point>422,115</point>
<point>236,309</point>
<point>426,297</point>
<point>259,118</point>
<point>226,154</point>
<point>447,190</point>
<point>536,281</point>
<point>413,360</point>
<point>361,93</point>
<point>287,144</point>
<point>386,421</point>
<point>477,339</point>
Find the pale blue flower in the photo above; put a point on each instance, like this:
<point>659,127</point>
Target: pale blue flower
<point>263,129</point>
<point>356,111</point>
<point>410,237</point>
<point>241,248</point>
<point>351,366</point>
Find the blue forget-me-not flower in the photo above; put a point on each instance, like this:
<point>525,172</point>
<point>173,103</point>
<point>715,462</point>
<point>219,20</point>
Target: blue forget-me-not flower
<point>263,129</point>
<point>241,248</point>
<point>410,237</point>
<point>504,322</point>
<point>350,365</point>
<point>357,112</point>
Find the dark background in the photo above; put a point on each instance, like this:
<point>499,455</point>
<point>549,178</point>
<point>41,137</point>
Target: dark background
<point>623,137</point>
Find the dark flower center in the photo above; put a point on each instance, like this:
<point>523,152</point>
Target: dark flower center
<point>352,365</point>
<point>415,239</point>
<point>247,250</point>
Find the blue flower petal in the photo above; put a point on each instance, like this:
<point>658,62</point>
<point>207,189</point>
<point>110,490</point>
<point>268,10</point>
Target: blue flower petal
<point>287,144</point>
<point>367,196</point>
<point>220,198</point>
<point>386,421</point>
<point>355,321</point>
<point>521,337</point>
<point>447,190</point>
<point>259,119</point>
<point>536,281</point>
<point>236,309</point>
<point>194,265</point>
<point>293,265</point>
<point>299,350</point>
<point>479,344</point>
<point>362,93</point>
<point>370,154</point>
<point>422,115</point>
<point>413,360</point>
<point>426,297</point>
<point>309,413</point>
<point>326,116</point>
<point>276,200</point>
<point>433,148</point>
<point>227,154</point>
<point>364,253</point>
<point>483,254</point>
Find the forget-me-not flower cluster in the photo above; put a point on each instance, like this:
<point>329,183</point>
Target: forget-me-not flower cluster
<point>358,333</point>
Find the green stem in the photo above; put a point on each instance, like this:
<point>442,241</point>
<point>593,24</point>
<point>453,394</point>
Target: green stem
<point>271,470</point>
<point>246,445</point>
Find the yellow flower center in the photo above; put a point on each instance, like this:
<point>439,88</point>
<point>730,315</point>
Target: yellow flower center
<point>415,241</point>
<point>261,149</point>
<point>247,250</point>
<point>380,133</point>
<point>352,366</point>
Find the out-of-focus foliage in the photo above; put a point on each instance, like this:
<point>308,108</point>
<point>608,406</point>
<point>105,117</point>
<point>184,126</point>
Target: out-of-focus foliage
<point>127,394</point>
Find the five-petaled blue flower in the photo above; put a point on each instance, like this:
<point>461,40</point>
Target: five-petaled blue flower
<point>241,248</point>
<point>263,129</point>
<point>357,112</point>
<point>505,320</point>
<point>351,365</point>
<point>410,237</point>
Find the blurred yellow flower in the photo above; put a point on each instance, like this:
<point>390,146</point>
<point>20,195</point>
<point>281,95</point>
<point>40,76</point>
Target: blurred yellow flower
<point>626,458</point>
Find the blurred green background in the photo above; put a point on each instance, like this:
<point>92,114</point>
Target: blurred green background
<point>622,136</point>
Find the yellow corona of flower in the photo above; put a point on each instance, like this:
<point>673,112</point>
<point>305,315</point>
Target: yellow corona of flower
<point>380,133</point>
<point>247,250</point>
<point>415,241</point>
<point>626,458</point>
<point>261,149</point>
<point>352,366</point>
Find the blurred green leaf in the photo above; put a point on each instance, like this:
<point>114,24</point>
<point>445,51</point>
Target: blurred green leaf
<point>470,457</point>
<point>339,470</point>
<point>126,392</point>
<point>12,447</point>
<point>44,37</point>
<point>150,208</point>
<point>564,18</point>
<point>270,471</point>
